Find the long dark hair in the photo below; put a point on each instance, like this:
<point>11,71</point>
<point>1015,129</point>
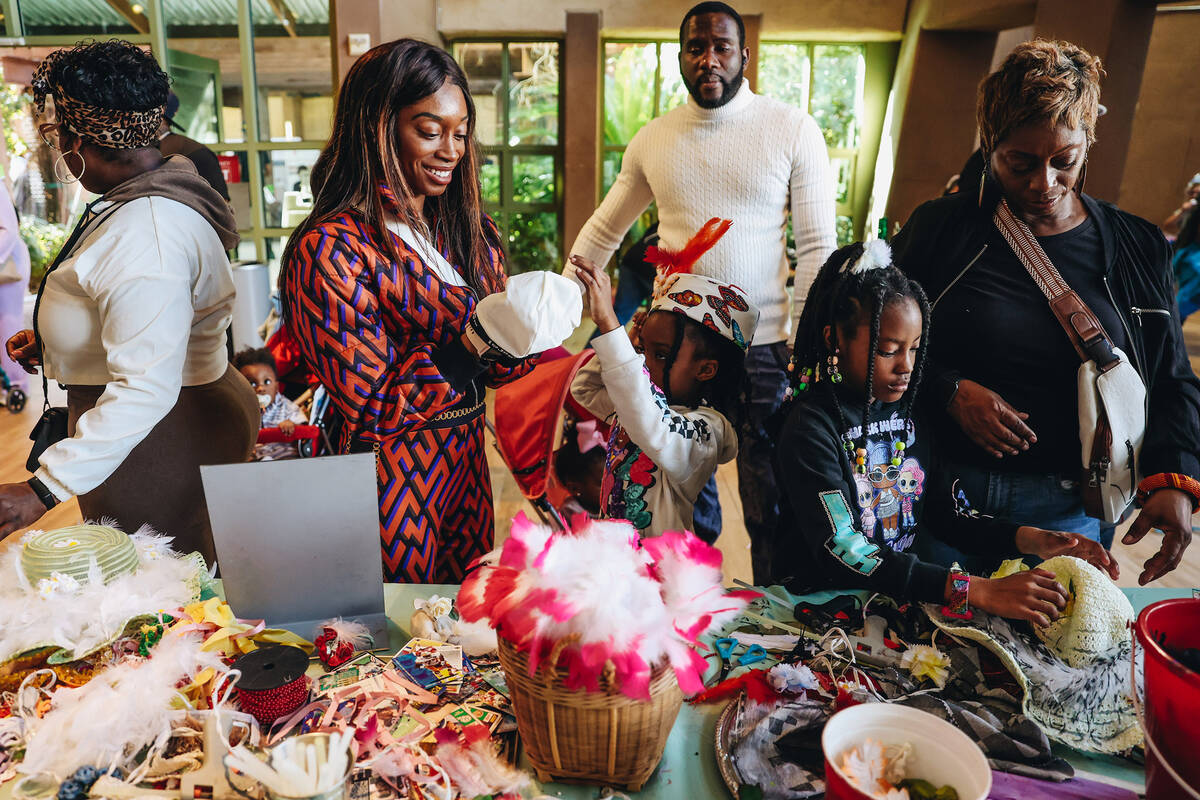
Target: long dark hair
<point>840,299</point>
<point>362,156</point>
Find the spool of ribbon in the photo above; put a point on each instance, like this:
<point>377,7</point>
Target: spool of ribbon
<point>273,684</point>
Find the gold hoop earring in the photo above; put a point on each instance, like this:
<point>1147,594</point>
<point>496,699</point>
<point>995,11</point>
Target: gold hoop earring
<point>71,177</point>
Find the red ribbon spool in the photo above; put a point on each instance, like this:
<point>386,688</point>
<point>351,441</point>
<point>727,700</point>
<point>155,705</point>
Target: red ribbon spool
<point>273,684</point>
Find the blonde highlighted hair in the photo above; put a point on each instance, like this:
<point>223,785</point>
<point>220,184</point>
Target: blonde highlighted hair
<point>1042,80</point>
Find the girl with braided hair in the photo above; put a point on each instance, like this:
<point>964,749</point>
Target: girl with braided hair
<point>852,418</point>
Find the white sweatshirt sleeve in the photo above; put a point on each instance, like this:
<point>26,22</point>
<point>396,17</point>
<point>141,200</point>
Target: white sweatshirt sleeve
<point>813,210</point>
<point>589,391</point>
<point>145,311</point>
<point>680,445</point>
<point>629,196</point>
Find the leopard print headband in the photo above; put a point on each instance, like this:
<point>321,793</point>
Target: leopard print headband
<point>107,127</point>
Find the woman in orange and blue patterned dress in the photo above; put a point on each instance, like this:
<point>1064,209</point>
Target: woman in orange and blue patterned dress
<point>378,286</point>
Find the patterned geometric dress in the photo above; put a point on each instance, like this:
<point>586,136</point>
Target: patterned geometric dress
<point>371,330</point>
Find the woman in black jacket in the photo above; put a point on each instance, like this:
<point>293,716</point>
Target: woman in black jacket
<point>1001,364</point>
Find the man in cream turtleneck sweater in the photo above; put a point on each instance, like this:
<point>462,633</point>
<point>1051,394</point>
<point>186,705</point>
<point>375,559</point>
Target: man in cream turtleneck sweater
<point>731,153</point>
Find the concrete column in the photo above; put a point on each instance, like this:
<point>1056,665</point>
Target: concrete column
<point>582,81</point>
<point>347,17</point>
<point>935,132</point>
<point>1118,31</point>
<point>753,40</point>
<point>382,20</point>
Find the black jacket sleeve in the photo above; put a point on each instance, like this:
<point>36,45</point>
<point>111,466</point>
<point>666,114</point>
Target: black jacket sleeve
<point>912,252</point>
<point>815,480</point>
<point>1172,442</point>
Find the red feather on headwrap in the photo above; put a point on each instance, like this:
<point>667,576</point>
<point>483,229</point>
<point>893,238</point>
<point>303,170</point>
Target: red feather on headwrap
<point>669,263</point>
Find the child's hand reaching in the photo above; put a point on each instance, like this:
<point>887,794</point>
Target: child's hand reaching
<point>635,334</point>
<point>599,293</point>
<point>1048,544</point>
<point>1033,595</point>
<point>287,427</point>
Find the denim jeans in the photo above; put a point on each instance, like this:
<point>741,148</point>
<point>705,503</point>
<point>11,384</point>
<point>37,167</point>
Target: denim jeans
<point>766,371</point>
<point>706,513</point>
<point>1053,502</point>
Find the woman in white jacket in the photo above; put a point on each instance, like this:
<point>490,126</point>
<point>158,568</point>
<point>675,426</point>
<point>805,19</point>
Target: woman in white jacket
<point>133,316</point>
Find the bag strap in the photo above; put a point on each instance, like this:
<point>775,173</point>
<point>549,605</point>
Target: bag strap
<point>1083,328</point>
<point>64,252</point>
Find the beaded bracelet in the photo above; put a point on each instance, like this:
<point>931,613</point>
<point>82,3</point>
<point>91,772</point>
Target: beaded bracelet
<point>960,585</point>
<point>1168,480</point>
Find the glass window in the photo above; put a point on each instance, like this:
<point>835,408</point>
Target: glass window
<point>784,73</point>
<point>205,64</point>
<point>80,18</point>
<point>484,64</point>
<point>515,86</point>
<point>533,242</point>
<point>629,76</point>
<point>287,193</point>
<point>292,66</point>
<point>673,91</point>
<point>839,74</point>
<point>533,93</point>
<point>826,80</point>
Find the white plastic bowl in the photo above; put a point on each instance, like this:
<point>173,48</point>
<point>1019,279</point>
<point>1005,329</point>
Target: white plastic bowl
<point>941,754</point>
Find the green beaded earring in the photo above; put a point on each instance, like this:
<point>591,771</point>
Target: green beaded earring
<point>831,367</point>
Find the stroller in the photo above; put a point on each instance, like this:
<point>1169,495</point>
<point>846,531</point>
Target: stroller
<point>531,415</point>
<point>11,397</point>
<point>309,438</point>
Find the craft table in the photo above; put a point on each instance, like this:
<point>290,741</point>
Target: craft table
<point>689,768</point>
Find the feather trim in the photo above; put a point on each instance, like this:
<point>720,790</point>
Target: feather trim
<point>348,630</point>
<point>120,711</point>
<point>82,617</point>
<point>668,262</point>
<point>630,605</point>
<point>876,254</point>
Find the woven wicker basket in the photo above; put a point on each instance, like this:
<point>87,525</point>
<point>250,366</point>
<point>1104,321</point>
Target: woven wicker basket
<point>576,736</point>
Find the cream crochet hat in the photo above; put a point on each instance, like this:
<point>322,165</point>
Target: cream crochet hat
<point>1074,675</point>
<point>1096,618</point>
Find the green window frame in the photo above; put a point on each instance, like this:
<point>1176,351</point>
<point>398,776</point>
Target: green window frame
<point>855,164</point>
<point>611,151</point>
<point>257,144</point>
<point>508,169</point>
<point>843,159</point>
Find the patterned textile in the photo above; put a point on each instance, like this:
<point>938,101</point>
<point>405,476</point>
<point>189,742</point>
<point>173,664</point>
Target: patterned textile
<point>759,752</point>
<point>720,307</point>
<point>435,503</point>
<point>629,473</point>
<point>368,328</point>
<point>1088,708</point>
<point>108,127</point>
<point>992,718</point>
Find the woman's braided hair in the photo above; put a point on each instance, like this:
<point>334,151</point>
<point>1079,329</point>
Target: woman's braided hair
<point>839,299</point>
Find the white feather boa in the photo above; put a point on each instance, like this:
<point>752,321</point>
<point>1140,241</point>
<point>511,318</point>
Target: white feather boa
<point>635,604</point>
<point>79,617</point>
<point>112,717</point>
